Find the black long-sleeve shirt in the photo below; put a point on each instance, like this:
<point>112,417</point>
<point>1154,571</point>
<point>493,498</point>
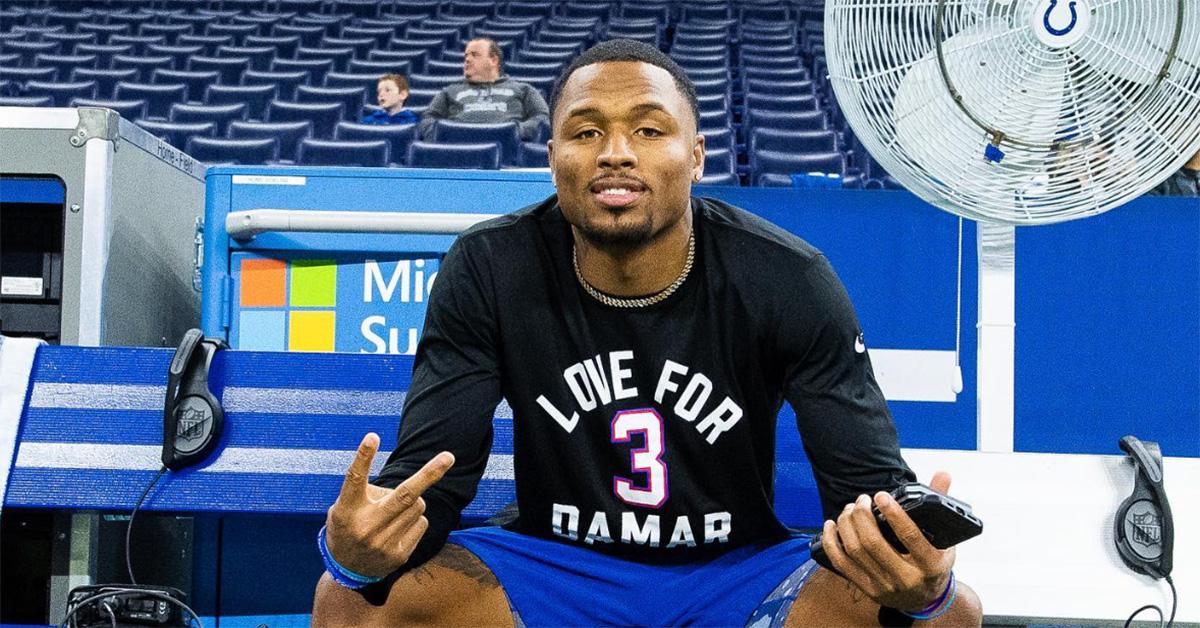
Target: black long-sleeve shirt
<point>650,432</point>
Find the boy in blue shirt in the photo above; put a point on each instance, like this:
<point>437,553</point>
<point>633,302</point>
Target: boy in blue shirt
<point>390,93</point>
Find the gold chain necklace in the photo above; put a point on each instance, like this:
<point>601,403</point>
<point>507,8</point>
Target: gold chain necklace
<point>641,301</point>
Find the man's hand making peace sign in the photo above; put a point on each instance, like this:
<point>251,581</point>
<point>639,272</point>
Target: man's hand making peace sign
<point>373,530</point>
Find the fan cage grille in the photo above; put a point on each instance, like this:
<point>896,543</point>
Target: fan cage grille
<point>1084,127</point>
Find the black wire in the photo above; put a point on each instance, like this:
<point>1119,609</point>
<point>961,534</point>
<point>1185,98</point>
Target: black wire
<point>1163,622</point>
<point>1174,601</point>
<point>112,616</point>
<point>121,589</point>
<point>129,528</point>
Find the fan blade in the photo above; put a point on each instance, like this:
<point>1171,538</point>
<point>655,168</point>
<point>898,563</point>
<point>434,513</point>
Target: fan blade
<point>1007,80</point>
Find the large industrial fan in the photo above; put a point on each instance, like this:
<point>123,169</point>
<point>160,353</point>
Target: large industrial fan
<point>1018,112</point>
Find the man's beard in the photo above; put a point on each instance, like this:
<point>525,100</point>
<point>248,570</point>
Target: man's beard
<point>624,236</point>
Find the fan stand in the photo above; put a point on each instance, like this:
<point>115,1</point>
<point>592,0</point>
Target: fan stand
<point>995,372</point>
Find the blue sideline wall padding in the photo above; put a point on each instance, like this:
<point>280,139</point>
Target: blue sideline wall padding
<point>1108,330</point>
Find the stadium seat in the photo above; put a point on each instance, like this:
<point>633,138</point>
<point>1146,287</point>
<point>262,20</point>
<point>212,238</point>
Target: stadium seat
<point>226,151</point>
<point>61,93</point>
<point>420,98</point>
<point>719,161</point>
<point>660,12</point>
<point>66,18</point>
<point>794,121</point>
<point>284,45</point>
<point>724,178</point>
<point>256,97</point>
<point>178,54</point>
<point>366,81</point>
<point>260,56</point>
<point>714,102</point>
<point>357,8</point>
<point>448,37</point>
<point>316,68</point>
<point>527,9</point>
<point>177,133</point>
<point>171,31</point>
<point>544,56</point>
<point>106,80</point>
<point>365,153</point>
<point>29,50</point>
<point>351,98</point>
<point>195,81</point>
<point>380,35</point>
<point>139,43</point>
<point>340,57</point>
<point>780,163</point>
<point>309,35</point>
<point>324,116</point>
<point>701,39</point>
<point>230,68</point>
<point>775,88</point>
<point>432,82</point>
<point>773,102</point>
<point>775,74</point>
<point>128,109</point>
<point>210,42</point>
<point>359,45</point>
<point>506,135</point>
<point>145,65</point>
<point>221,115</point>
<point>20,75</point>
<point>100,31</point>
<point>398,136</point>
<point>790,141</point>
<point>289,134</point>
<point>714,120</point>
<point>478,156</point>
<point>238,32</point>
<point>451,68</point>
<point>64,63</point>
<point>378,67</point>
<point>534,155</point>
<point>159,98</point>
<point>26,101</point>
<point>285,82</point>
<point>70,40</point>
<point>717,138</point>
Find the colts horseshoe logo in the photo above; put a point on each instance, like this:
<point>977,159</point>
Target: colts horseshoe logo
<point>1059,32</point>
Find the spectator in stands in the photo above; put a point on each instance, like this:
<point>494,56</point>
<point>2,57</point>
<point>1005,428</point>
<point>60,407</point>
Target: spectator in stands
<point>487,95</point>
<point>390,93</point>
<point>1185,182</point>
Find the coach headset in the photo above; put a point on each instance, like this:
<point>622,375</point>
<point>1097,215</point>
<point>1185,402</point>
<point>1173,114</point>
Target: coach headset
<point>1144,532</point>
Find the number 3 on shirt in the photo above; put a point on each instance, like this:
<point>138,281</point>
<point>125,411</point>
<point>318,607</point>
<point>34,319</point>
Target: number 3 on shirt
<point>646,459</point>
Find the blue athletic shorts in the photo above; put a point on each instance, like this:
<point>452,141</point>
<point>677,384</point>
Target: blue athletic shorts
<point>554,584</point>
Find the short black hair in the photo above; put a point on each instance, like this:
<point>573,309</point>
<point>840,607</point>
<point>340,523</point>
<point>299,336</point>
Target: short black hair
<point>628,50</point>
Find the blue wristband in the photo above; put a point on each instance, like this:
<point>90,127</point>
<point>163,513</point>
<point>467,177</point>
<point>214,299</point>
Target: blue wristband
<point>941,605</point>
<point>341,575</point>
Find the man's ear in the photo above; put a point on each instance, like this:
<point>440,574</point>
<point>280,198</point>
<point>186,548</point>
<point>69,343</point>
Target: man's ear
<point>550,161</point>
<point>698,157</point>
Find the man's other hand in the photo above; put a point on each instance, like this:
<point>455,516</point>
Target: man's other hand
<point>908,582</point>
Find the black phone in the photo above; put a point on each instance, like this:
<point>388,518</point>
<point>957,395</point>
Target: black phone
<point>944,520</point>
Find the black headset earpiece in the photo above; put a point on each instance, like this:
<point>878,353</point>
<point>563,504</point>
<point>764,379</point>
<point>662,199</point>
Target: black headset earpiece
<point>1144,530</point>
<point>192,417</point>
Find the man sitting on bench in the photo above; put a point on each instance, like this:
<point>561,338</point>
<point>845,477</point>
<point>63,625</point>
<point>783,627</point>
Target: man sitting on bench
<point>645,341</point>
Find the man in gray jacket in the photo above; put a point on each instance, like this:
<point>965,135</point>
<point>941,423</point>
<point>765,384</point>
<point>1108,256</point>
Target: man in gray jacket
<point>486,95</point>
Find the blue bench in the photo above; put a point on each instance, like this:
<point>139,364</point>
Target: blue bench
<point>91,432</point>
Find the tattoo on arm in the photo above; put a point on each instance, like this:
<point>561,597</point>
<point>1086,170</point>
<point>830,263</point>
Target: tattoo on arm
<point>460,559</point>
